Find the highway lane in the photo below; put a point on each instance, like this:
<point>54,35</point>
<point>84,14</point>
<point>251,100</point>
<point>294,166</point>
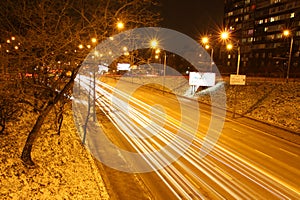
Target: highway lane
<point>246,163</point>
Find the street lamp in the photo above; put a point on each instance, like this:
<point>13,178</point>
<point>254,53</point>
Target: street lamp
<point>120,25</point>
<point>80,46</point>
<point>230,47</point>
<point>287,33</point>
<point>205,41</point>
<point>154,44</point>
<point>94,40</point>
<point>225,35</point>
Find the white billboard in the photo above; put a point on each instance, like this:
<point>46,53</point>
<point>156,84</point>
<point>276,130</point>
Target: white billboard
<point>202,79</point>
<point>123,66</point>
<point>102,68</point>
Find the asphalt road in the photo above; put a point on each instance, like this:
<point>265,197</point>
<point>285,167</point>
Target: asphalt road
<point>244,161</point>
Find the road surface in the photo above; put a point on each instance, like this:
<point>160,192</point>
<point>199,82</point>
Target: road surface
<point>246,161</point>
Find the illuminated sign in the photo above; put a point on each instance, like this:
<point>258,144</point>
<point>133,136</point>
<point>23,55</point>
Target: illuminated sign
<point>202,79</point>
<point>123,66</point>
<point>103,68</point>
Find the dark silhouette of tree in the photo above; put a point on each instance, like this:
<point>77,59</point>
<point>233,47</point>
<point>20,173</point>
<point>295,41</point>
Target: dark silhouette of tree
<point>48,34</point>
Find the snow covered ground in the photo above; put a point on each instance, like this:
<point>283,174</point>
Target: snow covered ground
<point>276,103</point>
<point>65,170</point>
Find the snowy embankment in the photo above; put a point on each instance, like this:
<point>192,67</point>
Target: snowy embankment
<point>65,170</point>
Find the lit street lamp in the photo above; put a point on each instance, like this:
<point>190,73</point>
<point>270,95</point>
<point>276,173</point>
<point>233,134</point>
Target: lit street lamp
<point>287,33</point>
<point>94,40</point>
<point>230,47</point>
<point>205,41</point>
<point>154,44</point>
<point>120,25</point>
<point>225,35</point>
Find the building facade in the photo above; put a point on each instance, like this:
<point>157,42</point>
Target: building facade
<point>257,26</point>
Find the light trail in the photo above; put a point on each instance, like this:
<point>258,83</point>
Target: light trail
<point>134,125</point>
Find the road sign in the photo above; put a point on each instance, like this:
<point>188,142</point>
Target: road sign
<point>237,79</point>
<point>202,79</point>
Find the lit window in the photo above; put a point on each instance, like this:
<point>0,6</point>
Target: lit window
<point>236,19</point>
<point>275,1</point>
<point>278,35</point>
<point>261,21</point>
<point>272,19</point>
<point>229,56</point>
<point>266,29</point>
<point>292,15</point>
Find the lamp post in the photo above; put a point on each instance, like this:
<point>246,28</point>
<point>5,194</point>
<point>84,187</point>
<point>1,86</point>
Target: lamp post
<point>226,36</point>
<point>165,62</point>
<point>205,42</point>
<point>287,33</point>
<point>230,47</point>
<point>154,44</point>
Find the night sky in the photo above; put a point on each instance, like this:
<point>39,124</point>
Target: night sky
<point>192,17</point>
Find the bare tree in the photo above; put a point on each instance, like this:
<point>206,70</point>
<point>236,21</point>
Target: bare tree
<point>48,55</point>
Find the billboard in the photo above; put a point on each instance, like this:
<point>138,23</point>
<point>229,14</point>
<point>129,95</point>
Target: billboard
<point>202,79</point>
<point>123,67</point>
<point>102,68</point>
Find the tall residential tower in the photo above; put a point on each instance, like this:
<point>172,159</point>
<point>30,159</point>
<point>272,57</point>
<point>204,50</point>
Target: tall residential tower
<point>257,26</point>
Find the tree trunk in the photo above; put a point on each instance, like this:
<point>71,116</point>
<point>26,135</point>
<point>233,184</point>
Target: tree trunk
<point>26,153</point>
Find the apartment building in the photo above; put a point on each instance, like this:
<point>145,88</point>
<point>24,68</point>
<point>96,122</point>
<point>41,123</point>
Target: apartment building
<point>257,26</point>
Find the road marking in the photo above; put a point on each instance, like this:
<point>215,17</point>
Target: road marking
<point>263,154</point>
<point>289,152</point>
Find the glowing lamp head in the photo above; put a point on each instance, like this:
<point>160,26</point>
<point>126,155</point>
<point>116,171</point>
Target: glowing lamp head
<point>225,35</point>
<point>120,25</point>
<point>286,33</point>
<point>153,43</point>
<point>229,46</point>
<point>205,40</point>
<point>94,40</point>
